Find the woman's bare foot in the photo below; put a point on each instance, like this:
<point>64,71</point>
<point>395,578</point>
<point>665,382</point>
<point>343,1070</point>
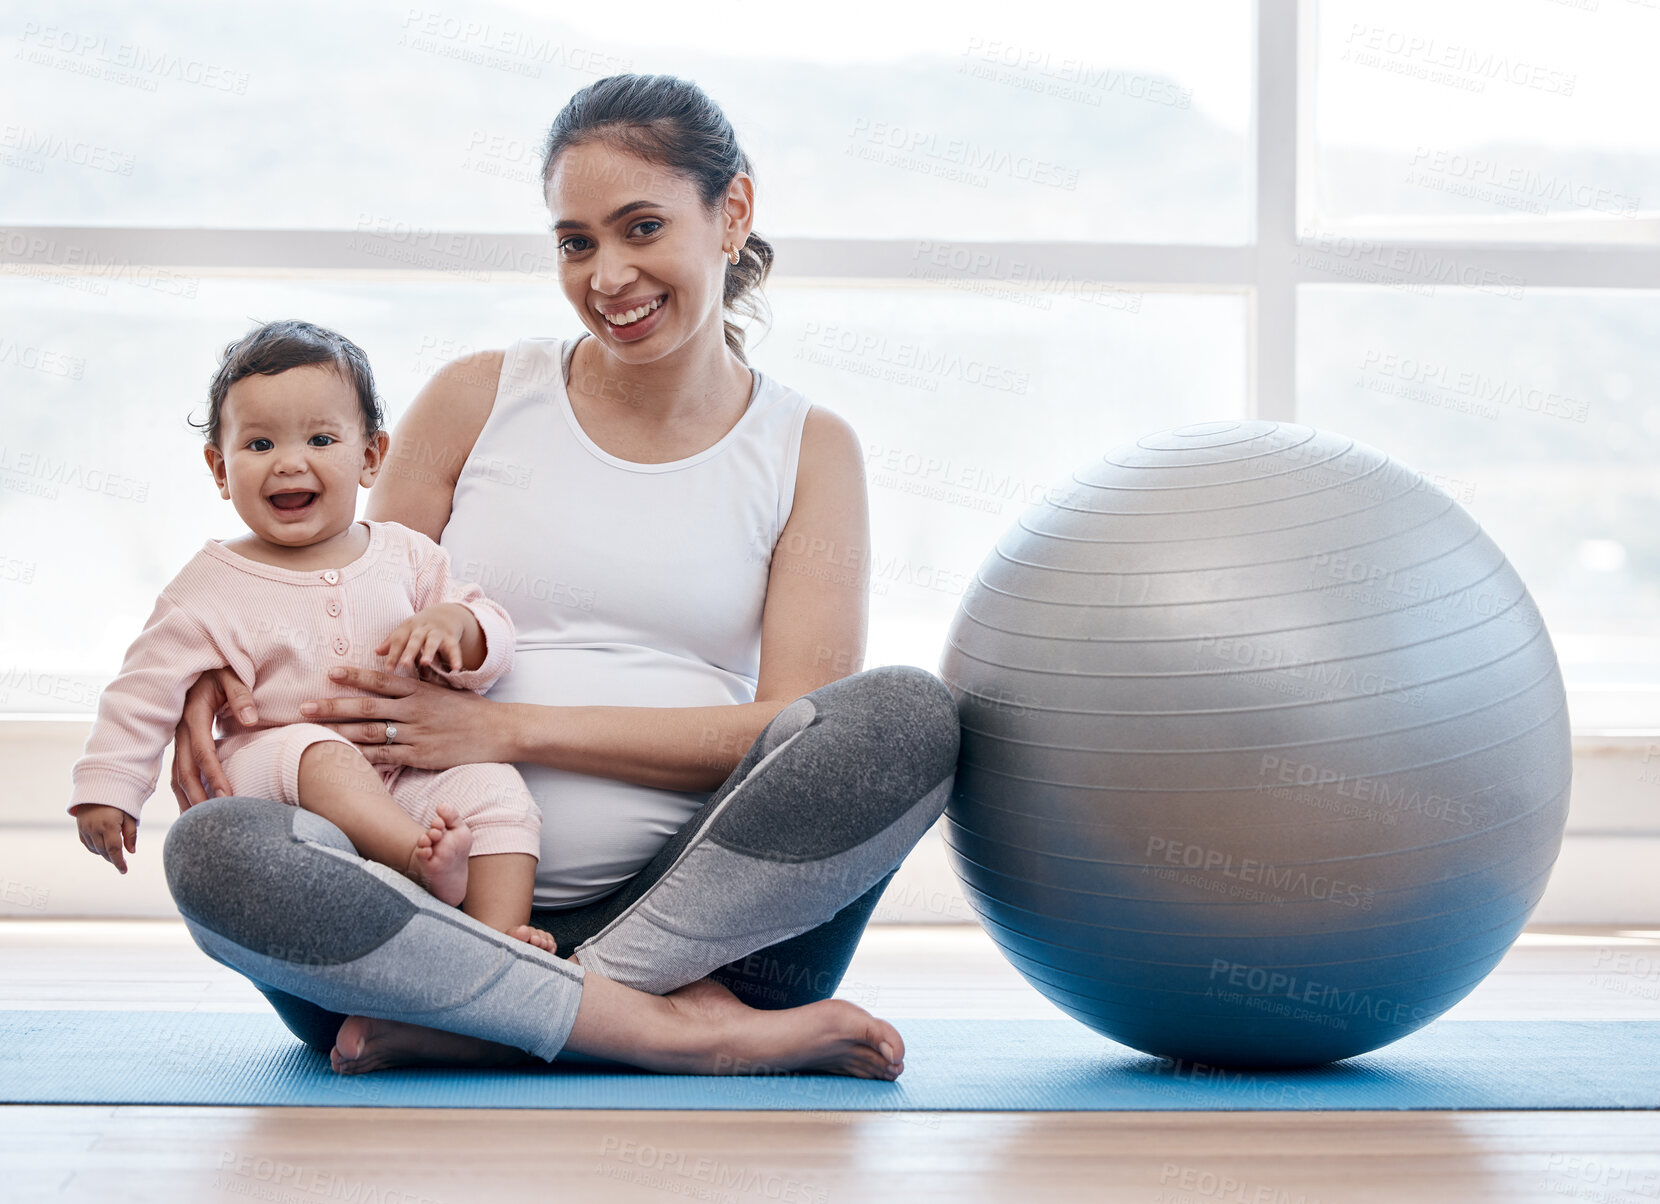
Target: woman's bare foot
<point>366,1043</point>
<point>535,936</point>
<point>700,1029</point>
<point>729,1037</point>
<point>440,858</point>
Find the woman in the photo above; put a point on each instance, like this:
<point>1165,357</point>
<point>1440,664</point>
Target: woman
<point>680,540</point>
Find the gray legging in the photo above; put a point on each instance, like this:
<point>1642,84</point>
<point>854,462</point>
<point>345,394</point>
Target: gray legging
<point>766,888</point>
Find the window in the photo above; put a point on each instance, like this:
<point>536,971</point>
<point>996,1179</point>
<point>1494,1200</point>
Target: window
<point>1532,411</point>
<point>176,175</point>
<point>1479,206</point>
<point>1007,241</point>
<point>1486,120</point>
<point>967,121</point>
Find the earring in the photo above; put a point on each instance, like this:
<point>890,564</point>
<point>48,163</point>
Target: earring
<point>732,254</point>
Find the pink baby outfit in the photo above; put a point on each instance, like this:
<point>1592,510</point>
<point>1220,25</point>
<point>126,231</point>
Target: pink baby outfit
<point>281,630</point>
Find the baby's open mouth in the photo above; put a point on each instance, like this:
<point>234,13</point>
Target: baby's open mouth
<point>292,501</point>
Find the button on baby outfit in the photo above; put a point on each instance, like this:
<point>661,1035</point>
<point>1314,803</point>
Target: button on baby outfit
<point>331,577</point>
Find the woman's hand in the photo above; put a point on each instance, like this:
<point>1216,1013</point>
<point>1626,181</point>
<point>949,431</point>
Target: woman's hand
<point>437,727</point>
<point>194,756</point>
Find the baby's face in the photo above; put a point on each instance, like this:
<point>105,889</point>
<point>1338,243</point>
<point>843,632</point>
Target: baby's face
<point>291,454</point>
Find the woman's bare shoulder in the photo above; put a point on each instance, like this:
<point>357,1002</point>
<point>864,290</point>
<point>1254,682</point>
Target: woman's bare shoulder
<point>831,454</point>
<point>830,498</point>
<point>459,396</point>
<point>432,441</point>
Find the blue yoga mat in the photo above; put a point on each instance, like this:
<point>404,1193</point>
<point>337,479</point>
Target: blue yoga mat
<point>90,1057</point>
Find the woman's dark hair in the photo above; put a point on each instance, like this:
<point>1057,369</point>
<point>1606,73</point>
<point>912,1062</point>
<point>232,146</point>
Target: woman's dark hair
<point>670,121</point>
<point>274,347</point>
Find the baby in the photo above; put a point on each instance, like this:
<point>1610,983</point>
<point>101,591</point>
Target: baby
<point>293,429</point>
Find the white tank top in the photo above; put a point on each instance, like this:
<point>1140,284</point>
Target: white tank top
<point>629,584</point>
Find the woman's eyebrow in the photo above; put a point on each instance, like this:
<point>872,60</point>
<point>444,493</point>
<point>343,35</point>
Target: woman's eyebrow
<point>621,211</point>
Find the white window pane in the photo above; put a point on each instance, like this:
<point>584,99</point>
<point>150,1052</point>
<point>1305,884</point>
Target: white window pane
<point>968,404</point>
<point>1540,415</point>
<point>1109,122</point>
<point>1504,114</point>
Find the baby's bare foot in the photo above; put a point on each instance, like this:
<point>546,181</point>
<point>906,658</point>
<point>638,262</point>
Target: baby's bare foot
<point>366,1043</point>
<point>832,1036</point>
<point>535,936</point>
<point>440,858</point>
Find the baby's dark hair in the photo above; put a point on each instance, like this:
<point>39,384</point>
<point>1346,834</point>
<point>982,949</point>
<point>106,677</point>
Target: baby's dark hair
<point>274,347</point>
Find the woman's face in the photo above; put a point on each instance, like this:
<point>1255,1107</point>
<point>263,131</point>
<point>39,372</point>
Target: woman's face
<point>634,242</point>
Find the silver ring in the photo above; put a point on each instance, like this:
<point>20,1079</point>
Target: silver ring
<point>391,734</point>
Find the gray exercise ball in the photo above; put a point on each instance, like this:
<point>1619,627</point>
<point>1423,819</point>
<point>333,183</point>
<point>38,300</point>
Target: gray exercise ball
<point>1265,751</point>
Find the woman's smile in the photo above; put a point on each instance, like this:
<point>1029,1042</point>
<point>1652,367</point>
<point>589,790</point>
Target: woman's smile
<point>643,323</point>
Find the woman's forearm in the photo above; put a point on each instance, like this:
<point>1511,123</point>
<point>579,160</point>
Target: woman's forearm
<point>672,748</point>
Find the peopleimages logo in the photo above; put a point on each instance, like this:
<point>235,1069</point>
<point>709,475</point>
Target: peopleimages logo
<point>45,145</point>
<point>500,580</point>
<point>1486,393</point>
<point>1514,185</point>
<point>1336,677</point>
<point>904,360</point>
<point>1035,69</point>
<point>41,359</point>
<point>1330,999</point>
<point>951,157</point>
<point>122,62</point>
<point>1283,880</point>
<point>44,258</point>
<point>41,473</point>
<point>1468,68</point>
<point>1400,800</point>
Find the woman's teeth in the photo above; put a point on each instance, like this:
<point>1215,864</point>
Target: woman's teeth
<point>633,315</point>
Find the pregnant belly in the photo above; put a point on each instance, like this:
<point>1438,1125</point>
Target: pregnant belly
<point>616,675</point>
<point>599,832</point>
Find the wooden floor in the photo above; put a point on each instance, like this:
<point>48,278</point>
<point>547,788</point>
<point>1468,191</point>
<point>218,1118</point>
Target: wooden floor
<point>428,1156</point>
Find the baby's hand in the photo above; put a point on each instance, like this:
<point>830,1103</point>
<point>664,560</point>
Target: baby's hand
<point>104,830</point>
<point>418,639</point>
